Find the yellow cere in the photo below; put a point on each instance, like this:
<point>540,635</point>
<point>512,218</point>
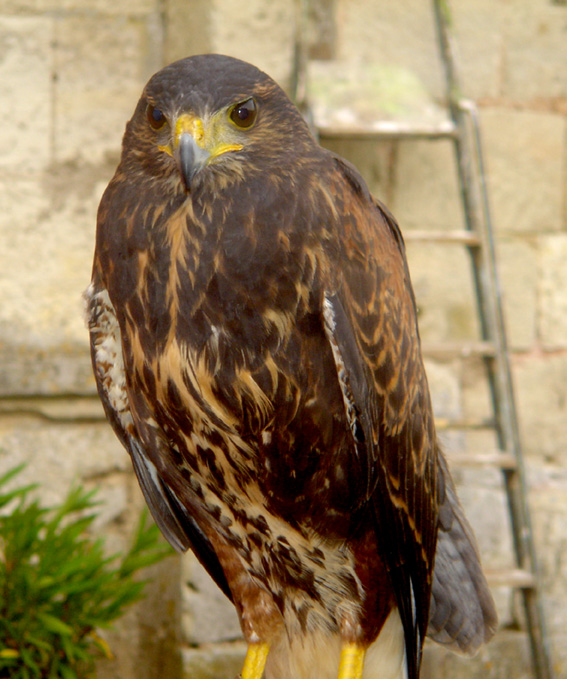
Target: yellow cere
<point>209,137</point>
<point>186,123</point>
<point>191,124</point>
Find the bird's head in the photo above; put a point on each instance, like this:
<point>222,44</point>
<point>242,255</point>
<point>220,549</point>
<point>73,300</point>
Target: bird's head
<point>214,116</point>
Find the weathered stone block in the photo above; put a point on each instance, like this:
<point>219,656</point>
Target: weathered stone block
<point>28,371</point>
<point>145,642</point>
<point>443,286</point>
<point>507,655</point>
<point>46,244</point>
<point>95,97</point>
<point>262,35</point>
<point>478,30</point>
<point>482,495</point>
<point>125,8</point>
<point>372,159</point>
<point>44,301</point>
<point>526,168</point>
<point>59,452</point>
<point>548,502</point>
<point>24,200</point>
<point>426,189</point>
<point>373,32</point>
<point>26,74</point>
<point>46,265</point>
<point>443,379</point>
<point>553,291</point>
<point>221,661</point>
<point>534,45</point>
<point>476,393</point>
<point>208,616</point>
<point>540,389</point>
<point>187,28</point>
<point>517,268</point>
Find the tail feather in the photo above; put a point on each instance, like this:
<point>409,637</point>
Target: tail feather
<point>462,614</point>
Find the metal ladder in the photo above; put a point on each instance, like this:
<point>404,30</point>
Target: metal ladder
<point>461,126</point>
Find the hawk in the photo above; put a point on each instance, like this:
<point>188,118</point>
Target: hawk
<point>255,346</point>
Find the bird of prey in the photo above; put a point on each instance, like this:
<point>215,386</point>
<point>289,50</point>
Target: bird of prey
<point>255,345</point>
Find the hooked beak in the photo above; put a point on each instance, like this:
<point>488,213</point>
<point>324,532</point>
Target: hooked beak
<point>190,158</point>
<point>192,149</point>
<point>188,147</point>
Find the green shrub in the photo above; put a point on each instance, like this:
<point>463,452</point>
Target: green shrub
<point>57,585</point>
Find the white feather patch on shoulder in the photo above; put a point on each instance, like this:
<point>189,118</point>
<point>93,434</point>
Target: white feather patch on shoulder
<point>348,398</point>
<point>107,351</point>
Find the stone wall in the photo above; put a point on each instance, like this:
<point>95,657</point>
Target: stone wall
<point>71,74</point>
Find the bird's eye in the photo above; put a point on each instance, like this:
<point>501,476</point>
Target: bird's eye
<point>155,117</point>
<point>244,113</point>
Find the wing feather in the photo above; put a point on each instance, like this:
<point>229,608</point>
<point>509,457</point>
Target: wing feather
<point>370,322</point>
<point>174,521</point>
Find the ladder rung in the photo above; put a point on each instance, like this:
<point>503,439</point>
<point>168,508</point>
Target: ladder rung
<point>496,459</point>
<point>386,129</point>
<point>514,577</point>
<point>446,423</point>
<point>463,237</point>
<point>458,349</point>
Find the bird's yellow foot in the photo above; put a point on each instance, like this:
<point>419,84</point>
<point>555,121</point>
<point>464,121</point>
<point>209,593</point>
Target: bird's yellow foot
<point>351,663</point>
<point>255,661</point>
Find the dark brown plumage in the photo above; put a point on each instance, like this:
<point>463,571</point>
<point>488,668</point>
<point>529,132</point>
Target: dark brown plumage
<point>255,345</point>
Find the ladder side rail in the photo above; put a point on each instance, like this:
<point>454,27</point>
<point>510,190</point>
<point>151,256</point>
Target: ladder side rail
<point>470,199</point>
<point>472,205</point>
<point>504,382</point>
